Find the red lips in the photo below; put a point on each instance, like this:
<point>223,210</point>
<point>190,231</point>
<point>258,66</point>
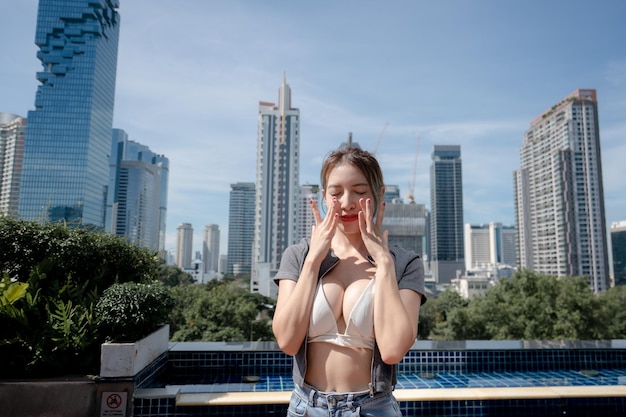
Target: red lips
<point>349,218</point>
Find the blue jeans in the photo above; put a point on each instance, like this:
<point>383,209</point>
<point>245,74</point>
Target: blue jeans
<point>309,402</point>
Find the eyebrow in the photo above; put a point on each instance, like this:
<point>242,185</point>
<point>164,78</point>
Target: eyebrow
<point>364,184</point>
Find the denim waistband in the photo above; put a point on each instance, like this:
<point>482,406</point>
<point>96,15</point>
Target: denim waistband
<point>336,399</point>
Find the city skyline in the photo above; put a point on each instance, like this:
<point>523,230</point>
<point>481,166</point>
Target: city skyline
<point>454,73</point>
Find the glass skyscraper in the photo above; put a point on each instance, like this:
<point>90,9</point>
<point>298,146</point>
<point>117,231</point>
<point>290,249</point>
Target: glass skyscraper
<point>137,197</point>
<point>618,246</point>
<point>240,228</point>
<point>68,135</point>
<point>446,213</point>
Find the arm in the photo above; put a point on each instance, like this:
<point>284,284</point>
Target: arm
<point>395,315</point>
<point>295,298</point>
<point>396,310</point>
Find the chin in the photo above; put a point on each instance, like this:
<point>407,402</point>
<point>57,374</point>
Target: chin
<point>349,228</point>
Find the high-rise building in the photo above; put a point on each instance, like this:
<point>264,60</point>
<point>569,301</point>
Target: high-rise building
<point>137,197</point>
<point>305,219</point>
<point>489,245</point>
<point>184,246</point>
<point>392,194</point>
<point>211,248</point>
<point>12,131</point>
<point>240,228</point>
<point>559,197</point>
<point>618,248</point>
<point>406,224</point>
<point>68,135</point>
<point>446,213</point>
<point>277,187</point>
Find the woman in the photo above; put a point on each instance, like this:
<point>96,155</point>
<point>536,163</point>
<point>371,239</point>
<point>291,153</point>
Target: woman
<point>348,304</point>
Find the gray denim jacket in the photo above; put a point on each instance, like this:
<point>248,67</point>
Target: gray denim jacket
<point>410,275</point>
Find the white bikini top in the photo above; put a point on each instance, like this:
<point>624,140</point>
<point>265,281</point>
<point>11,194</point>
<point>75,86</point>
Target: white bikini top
<point>359,331</point>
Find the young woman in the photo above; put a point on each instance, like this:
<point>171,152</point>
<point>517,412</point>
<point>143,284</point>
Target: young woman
<point>348,304</point>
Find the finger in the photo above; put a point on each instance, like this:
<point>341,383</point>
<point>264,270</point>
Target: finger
<point>380,215</point>
<point>334,207</point>
<point>316,211</point>
<point>368,213</point>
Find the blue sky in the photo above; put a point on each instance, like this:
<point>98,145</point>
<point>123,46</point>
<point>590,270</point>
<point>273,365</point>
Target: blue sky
<point>470,73</point>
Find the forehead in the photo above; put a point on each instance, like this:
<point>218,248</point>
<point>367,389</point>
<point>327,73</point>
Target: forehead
<point>346,175</point>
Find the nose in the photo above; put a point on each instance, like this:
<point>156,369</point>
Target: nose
<point>348,201</point>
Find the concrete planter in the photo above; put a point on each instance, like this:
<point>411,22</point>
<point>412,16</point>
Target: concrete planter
<point>128,359</point>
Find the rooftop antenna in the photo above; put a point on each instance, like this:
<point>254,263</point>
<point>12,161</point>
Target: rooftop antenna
<point>349,139</point>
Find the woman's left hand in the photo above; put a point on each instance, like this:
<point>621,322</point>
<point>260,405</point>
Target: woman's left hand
<point>374,238</point>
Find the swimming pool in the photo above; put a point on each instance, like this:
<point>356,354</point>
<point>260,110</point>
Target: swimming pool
<point>599,377</point>
<point>497,375</point>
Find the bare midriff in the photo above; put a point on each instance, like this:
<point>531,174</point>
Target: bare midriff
<point>332,368</point>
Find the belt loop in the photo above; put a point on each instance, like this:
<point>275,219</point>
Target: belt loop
<point>312,395</point>
<point>371,390</point>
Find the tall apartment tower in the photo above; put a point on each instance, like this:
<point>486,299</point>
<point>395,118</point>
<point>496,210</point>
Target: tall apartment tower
<point>618,247</point>
<point>211,248</point>
<point>240,228</point>
<point>12,132</point>
<point>277,187</point>
<point>184,245</point>
<point>559,197</point>
<point>446,213</point>
<point>68,135</point>
<point>305,220</point>
<point>490,245</point>
<point>137,197</point>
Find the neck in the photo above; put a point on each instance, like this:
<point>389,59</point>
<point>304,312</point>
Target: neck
<point>343,244</point>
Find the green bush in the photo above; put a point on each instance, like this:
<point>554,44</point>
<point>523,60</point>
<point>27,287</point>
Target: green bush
<point>51,277</point>
<point>131,311</point>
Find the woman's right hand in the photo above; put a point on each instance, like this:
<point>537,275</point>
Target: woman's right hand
<point>324,229</point>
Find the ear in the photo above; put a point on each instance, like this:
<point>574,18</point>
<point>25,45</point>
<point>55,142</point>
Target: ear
<point>381,194</point>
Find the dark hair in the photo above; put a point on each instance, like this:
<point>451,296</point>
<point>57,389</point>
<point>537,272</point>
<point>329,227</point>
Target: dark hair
<point>363,160</point>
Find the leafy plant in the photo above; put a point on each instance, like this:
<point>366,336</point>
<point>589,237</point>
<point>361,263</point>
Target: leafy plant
<point>131,311</point>
<point>52,278</point>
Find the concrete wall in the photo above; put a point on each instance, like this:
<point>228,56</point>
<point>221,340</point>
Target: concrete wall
<point>60,397</point>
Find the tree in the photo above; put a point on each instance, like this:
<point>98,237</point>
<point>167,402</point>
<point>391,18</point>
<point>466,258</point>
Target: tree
<point>220,311</point>
<point>612,314</point>
<point>51,278</point>
<point>172,275</point>
<point>529,306</point>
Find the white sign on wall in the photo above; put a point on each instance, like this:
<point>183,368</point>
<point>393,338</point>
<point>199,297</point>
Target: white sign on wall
<point>113,404</point>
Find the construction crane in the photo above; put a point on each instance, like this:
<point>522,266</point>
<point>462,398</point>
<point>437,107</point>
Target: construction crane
<point>380,137</point>
<point>411,194</point>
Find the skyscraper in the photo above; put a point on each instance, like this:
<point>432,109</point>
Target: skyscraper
<point>406,224</point>
<point>12,130</point>
<point>489,245</point>
<point>68,136</point>
<point>305,219</point>
<point>137,197</point>
<point>184,245</point>
<point>446,213</point>
<point>277,186</point>
<point>618,247</point>
<point>211,248</point>
<point>392,194</point>
<point>240,228</point>
<point>559,197</point>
